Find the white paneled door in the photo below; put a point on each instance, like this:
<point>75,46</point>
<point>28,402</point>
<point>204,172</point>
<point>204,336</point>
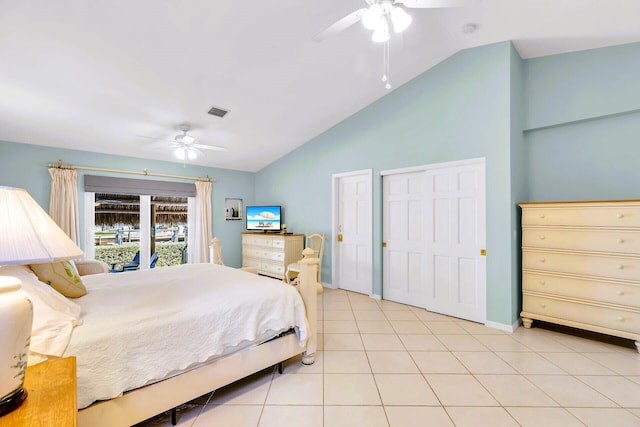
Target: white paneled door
<point>403,252</point>
<point>352,241</point>
<point>456,265</point>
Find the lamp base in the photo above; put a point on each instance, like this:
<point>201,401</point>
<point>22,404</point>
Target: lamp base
<point>13,402</point>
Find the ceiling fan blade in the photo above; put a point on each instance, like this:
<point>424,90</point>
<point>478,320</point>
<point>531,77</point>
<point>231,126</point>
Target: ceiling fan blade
<point>209,147</point>
<point>339,26</point>
<point>425,4</point>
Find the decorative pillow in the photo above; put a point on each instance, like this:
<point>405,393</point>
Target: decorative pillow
<point>62,276</point>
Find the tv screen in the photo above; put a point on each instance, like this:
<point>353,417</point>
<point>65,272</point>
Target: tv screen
<point>264,218</point>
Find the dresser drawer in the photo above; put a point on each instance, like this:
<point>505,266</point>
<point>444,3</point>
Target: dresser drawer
<point>606,215</point>
<point>616,241</point>
<point>276,269</point>
<point>614,267</point>
<point>605,317</point>
<point>264,241</point>
<point>586,289</point>
<point>274,255</point>
<point>278,242</point>
<point>251,262</point>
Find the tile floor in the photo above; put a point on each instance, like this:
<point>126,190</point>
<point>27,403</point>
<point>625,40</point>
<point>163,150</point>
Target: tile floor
<point>386,364</point>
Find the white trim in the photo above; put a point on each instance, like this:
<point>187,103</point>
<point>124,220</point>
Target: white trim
<point>376,297</point>
<point>502,326</point>
<point>191,229</point>
<point>432,166</point>
<point>334,219</point>
<point>89,225</point>
<point>145,231</point>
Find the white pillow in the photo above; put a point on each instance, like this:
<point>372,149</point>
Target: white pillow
<point>54,316</point>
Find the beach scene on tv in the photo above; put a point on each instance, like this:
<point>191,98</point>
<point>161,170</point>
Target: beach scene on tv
<point>263,218</point>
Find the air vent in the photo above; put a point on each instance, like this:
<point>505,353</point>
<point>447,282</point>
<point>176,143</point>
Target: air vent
<point>218,112</point>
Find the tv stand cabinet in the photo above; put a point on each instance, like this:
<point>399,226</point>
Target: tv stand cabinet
<point>270,254</point>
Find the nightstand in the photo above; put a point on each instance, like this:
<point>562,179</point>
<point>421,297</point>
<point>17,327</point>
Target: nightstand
<point>52,396</point>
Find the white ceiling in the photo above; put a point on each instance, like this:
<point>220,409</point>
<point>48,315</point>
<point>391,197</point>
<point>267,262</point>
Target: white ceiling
<point>99,75</point>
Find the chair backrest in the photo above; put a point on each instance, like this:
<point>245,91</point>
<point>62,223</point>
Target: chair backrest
<point>316,243</point>
<point>153,260</point>
<point>136,258</point>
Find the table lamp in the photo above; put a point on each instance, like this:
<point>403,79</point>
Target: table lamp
<point>27,236</point>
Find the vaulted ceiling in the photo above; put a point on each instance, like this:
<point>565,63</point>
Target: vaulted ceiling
<point>120,77</point>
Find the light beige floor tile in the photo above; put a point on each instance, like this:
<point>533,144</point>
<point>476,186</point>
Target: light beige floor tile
<point>515,390</point>
<point>484,362</point>
<point>422,343</point>
<point>353,296</point>
<point>392,362</point>
<point>365,305</point>
<point>409,326</point>
<point>346,362</point>
<point>443,362</point>
<point>338,315</point>
<point>634,378</point>
<point>319,341</point>
<point>291,416</point>
<point>229,415</point>
<point>320,327</point>
<point>186,415</point>
<point>619,389</point>
<point>343,342</point>
<point>577,364</point>
<point>547,417</point>
<point>460,390</point>
<point>429,315</point>
<point>461,343</point>
<point>340,327</point>
<point>568,391</point>
<point>529,363</point>
<point>390,305</point>
<point>350,389</point>
<point>417,416</point>
<point>620,363</point>
<point>382,342</point>
<point>350,416</point>
<point>502,343</point>
<point>247,391</point>
<point>405,389</point>
<point>376,314</point>
<point>540,342</point>
<point>296,390</point>
<point>605,417</point>
<point>375,327</point>
<point>295,365</point>
<point>400,315</point>
<point>340,305</point>
<point>481,417</point>
<point>439,328</point>
<point>584,344</point>
<point>478,328</point>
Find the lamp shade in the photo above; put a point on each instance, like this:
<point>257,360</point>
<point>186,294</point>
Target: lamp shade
<point>27,234</point>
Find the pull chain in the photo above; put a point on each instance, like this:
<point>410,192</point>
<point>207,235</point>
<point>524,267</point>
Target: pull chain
<point>385,65</point>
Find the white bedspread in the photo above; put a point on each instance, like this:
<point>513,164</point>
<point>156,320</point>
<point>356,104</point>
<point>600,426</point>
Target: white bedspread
<point>142,326</point>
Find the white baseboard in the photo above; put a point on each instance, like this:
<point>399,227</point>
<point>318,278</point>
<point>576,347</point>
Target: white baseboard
<point>374,296</point>
<point>502,326</point>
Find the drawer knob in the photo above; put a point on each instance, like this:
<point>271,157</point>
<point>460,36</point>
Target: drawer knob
<point>620,293</point>
<point>620,267</point>
<point>620,240</point>
<point>620,319</point>
<point>620,216</point>
<point>542,237</point>
<point>542,282</point>
<point>543,305</point>
<point>542,260</point>
<point>542,216</point>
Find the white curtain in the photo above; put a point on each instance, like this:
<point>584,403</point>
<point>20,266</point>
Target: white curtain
<point>203,230</point>
<point>63,204</point>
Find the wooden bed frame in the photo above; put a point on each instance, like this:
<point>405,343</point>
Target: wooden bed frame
<point>140,404</point>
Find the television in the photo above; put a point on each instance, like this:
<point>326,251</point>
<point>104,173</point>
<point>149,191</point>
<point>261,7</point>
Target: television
<point>264,218</point>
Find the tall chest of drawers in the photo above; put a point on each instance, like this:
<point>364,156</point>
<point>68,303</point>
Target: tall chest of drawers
<point>581,265</point>
<point>270,254</point>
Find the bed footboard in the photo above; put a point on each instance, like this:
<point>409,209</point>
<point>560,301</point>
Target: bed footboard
<point>307,287</point>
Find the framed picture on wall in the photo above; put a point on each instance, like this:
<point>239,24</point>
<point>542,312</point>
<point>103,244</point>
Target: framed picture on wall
<point>233,209</point>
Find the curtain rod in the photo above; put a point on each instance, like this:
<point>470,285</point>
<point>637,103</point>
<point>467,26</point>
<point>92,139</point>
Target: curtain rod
<point>144,172</point>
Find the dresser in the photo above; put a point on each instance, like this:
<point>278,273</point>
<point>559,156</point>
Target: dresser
<point>270,254</point>
<point>581,265</point>
<point>51,396</point>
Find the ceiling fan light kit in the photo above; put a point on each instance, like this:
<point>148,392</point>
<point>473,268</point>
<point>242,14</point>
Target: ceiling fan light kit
<point>377,17</point>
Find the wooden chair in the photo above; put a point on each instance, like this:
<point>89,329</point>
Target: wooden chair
<point>314,242</point>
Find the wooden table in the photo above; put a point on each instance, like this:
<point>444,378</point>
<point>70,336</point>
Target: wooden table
<point>52,396</point>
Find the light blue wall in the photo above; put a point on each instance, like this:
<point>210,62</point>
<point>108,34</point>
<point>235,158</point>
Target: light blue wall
<point>23,165</point>
<point>583,120</point>
<point>460,109</point>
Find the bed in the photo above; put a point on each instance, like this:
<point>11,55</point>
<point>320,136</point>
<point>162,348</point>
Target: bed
<point>140,351</point>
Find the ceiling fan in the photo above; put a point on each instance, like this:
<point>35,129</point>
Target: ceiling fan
<point>185,147</point>
<point>378,13</point>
